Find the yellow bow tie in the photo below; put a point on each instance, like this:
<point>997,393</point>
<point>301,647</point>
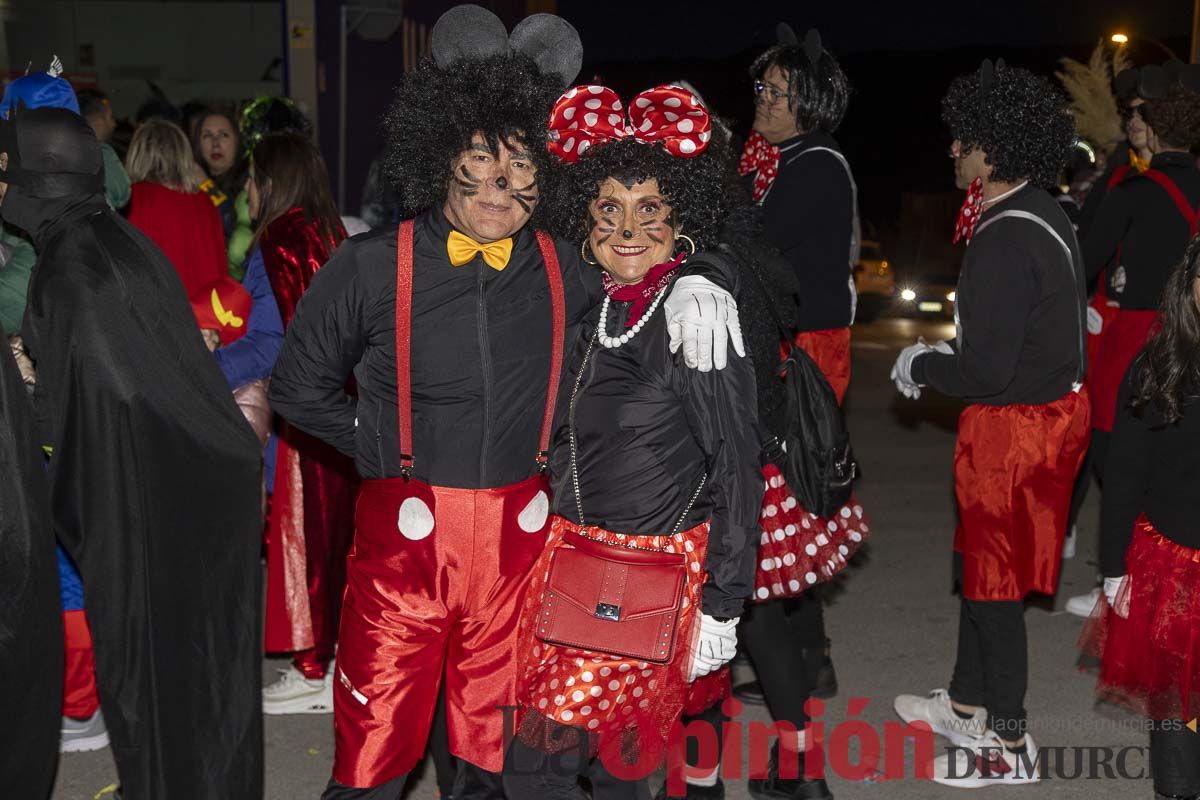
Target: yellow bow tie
<point>462,249</point>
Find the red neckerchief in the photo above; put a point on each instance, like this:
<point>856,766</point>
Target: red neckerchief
<point>762,158</point>
<point>642,292</point>
<point>968,215</point>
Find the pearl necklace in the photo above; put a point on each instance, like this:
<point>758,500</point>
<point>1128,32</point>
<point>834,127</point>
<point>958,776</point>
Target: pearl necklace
<point>613,342</point>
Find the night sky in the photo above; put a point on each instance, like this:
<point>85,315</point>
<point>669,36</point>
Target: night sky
<point>899,56</point>
<point>643,31</point>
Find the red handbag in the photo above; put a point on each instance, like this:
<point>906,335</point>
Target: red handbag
<point>613,599</point>
<point>619,600</point>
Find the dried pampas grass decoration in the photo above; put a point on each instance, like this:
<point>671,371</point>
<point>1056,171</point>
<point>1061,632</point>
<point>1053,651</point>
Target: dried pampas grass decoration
<point>1089,86</point>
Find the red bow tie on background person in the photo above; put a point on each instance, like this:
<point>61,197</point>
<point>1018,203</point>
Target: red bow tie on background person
<point>968,215</point>
<point>642,292</point>
<point>587,116</point>
<point>762,158</point>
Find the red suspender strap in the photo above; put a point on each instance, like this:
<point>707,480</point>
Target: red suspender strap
<point>404,284</point>
<point>1118,175</point>
<point>1185,208</point>
<point>559,311</point>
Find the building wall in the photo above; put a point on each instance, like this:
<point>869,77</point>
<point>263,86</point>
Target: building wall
<point>189,49</point>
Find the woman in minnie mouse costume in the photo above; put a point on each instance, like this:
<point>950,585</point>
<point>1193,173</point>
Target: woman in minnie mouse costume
<point>798,176</point>
<point>1019,359</point>
<point>654,468</point>
<point>453,326</point>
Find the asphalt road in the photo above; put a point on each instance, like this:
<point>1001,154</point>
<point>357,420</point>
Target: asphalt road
<point>892,617</point>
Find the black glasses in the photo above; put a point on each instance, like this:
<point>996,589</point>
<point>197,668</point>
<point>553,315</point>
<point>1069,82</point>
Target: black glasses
<point>1129,112</point>
<point>768,92</point>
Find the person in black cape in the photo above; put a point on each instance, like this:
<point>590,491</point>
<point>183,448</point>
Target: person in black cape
<point>31,636</point>
<point>154,477</point>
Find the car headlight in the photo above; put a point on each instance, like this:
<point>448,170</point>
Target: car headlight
<point>908,295</point>
<point>950,295</point>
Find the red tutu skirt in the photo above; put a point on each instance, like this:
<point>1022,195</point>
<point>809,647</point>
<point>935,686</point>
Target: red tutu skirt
<point>608,696</point>
<point>798,549</point>
<point>1150,660</point>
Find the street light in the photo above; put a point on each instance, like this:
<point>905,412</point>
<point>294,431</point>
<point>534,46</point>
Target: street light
<point>1121,39</point>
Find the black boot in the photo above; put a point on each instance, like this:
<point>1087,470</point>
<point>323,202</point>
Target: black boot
<point>774,787</point>
<point>714,792</point>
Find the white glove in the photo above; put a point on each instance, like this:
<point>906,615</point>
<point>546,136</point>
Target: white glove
<point>1118,601</point>
<point>1118,280</point>
<point>941,346</point>
<point>902,370</point>
<point>715,646</point>
<point>702,318</point>
<point>1095,322</point>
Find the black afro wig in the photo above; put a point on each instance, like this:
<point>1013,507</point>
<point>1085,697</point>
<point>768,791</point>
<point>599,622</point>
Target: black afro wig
<point>437,111</point>
<point>693,187</point>
<point>818,93</point>
<point>1017,118</point>
<point>1175,117</point>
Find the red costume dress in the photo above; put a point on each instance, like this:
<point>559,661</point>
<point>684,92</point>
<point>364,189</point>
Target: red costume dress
<point>311,520</point>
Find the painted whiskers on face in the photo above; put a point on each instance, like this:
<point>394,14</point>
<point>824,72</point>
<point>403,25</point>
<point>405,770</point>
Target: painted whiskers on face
<point>632,229</point>
<point>492,191</point>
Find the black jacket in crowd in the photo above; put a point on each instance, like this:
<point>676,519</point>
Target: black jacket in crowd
<point>1152,469</point>
<point>1020,309</point>
<point>1141,218</point>
<point>809,216</point>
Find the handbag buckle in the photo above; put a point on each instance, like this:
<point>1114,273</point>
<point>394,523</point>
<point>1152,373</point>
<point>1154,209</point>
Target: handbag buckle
<point>608,611</point>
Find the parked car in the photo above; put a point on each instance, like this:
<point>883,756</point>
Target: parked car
<point>929,296</point>
<point>874,282</point>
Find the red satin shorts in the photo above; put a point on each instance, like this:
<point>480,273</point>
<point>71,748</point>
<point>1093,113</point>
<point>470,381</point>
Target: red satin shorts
<point>434,584</point>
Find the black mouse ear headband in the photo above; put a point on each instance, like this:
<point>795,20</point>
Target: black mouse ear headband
<point>470,31</point>
<point>812,46</point>
<point>989,74</point>
<point>1155,81</point>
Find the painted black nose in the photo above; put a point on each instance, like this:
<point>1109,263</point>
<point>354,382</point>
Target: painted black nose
<point>502,183</point>
<point>627,234</point>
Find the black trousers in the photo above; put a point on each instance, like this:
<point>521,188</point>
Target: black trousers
<point>1175,760</point>
<point>471,783</point>
<point>780,635</point>
<point>992,668</point>
<point>1091,469</point>
<point>531,774</point>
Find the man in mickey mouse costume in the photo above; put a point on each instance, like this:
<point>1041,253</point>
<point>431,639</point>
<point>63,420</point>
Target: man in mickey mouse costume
<point>1018,359</point>
<point>453,326</point>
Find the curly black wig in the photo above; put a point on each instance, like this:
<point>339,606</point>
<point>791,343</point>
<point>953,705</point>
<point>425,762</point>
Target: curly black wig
<point>693,187</point>
<point>1019,120</point>
<point>437,111</point>
<point>817,94</point>
<point>1175,118</point>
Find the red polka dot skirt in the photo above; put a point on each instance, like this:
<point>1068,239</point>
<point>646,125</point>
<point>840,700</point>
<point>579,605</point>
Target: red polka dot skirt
<point>603,694</point>
<point>798,549</point>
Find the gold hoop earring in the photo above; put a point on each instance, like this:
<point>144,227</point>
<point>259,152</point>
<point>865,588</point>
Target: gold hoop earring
<point>583,253</point>
<point>687,239</point>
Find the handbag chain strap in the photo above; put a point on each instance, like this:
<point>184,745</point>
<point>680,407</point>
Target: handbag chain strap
<point>575,451</point>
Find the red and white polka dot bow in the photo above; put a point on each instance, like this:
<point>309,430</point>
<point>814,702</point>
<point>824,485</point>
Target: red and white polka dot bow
<point>587,116</point>
<point>762,158</point>
<point>968,215</point>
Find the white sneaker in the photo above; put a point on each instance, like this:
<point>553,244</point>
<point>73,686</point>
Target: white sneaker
<point>986,762</point>
<point>936,712</point>
<point>295,694</point>
<point>1069,543</point>
<point>83,735</point>
<point>1081,605</point>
